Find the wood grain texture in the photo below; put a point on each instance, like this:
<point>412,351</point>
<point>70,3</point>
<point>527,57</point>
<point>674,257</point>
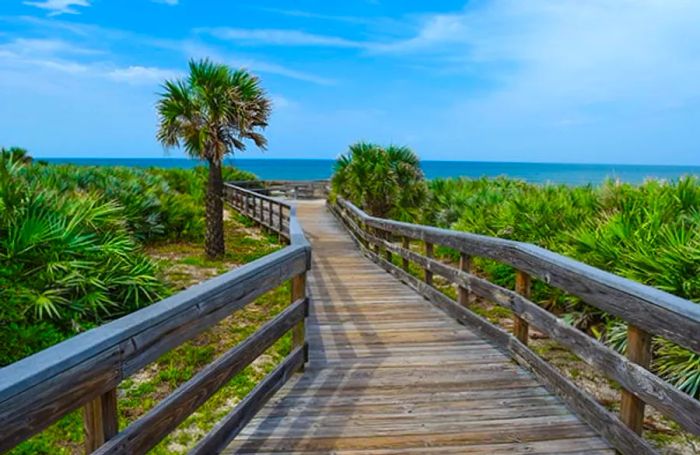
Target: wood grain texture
<point>389,372</point>
<point>663,396</point>
<point>639,351</point>
<point>522,287</point>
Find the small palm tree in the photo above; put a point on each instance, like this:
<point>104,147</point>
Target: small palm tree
<point>385,181</point>
<point>211,113</point>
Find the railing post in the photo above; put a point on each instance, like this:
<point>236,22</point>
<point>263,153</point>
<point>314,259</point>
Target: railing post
<point>377,233</point>
<point>272,223</point>
<point>465,265</point>
<point>638,351</point>
<point>100,420</point>
<point>281,215</point>
<point>429,254</point>
<point>299,292</point>
<point>523,287</point>
<point>387,252</point>
<point>406,245</point>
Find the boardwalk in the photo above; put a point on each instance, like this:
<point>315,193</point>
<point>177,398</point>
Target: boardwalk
<point>390,373</point>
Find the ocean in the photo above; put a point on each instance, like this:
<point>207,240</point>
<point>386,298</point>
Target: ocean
<point>313,169</point>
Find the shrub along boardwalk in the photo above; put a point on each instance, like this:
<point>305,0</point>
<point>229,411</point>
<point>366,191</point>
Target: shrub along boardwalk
<point>389,372</point>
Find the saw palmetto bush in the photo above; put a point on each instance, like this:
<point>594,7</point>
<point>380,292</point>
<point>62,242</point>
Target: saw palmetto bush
<point>385,181</point>
<point>67,262</point>
<point>71,239</point>
<point>649,233</point>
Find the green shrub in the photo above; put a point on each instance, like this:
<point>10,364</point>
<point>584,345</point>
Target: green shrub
<point>71,240</point>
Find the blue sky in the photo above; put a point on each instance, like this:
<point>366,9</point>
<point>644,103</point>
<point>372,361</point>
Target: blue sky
<point>610,81</point>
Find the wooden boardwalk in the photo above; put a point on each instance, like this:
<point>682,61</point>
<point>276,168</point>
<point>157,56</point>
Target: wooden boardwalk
<point>390,373</point>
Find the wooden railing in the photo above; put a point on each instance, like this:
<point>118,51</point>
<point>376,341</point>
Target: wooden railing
<point>292,189</point>
<point>270,213</point>
<point>86,370</point>
<point>648,312</point>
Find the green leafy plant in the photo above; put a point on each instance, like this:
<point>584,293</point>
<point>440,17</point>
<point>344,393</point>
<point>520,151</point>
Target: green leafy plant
<point>386,181</point>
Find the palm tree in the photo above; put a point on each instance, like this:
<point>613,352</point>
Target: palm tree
<point>211,113</point>
<point>384,181</point>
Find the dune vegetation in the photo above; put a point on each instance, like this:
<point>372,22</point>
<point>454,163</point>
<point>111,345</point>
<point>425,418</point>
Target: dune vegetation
<point>72,242</point>
<point>649,233</point>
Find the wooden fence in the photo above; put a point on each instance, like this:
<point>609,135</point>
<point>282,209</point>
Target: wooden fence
<point>648,312</point>
<point>84,371</point>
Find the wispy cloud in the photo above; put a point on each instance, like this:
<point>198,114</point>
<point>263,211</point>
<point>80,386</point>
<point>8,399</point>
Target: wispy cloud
<point>138,75</point>
<point>278,37</point>
<point>167,2</point>
<point>57,7</point>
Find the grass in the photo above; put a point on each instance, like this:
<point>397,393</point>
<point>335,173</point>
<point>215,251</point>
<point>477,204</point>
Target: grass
<point>182,264</point>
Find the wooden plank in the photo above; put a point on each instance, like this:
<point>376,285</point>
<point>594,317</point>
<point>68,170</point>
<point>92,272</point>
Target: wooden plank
<point>570,446</point>
<point>638,351</point>
<point>150,429</point>
<point>405,243</point>
<point>608,425</point>
<point>299,330</point>
<point>229,427</point>
<point>100,420</point>
<point>522,287</point>
<point>465,265</point>
<point>650,388</point>
<point>428,275</point>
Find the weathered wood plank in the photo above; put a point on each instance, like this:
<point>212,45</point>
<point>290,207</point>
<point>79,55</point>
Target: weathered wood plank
<point>638,351</point>
<point>100,420</point>
<point>595,415</point>
<point>670,401</point>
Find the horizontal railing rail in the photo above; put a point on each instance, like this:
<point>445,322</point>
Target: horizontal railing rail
<point>292,189</point>
<point>647,310</point>
<point>85,371</point>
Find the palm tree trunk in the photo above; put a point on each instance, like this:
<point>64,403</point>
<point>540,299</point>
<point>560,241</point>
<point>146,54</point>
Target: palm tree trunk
<point>214,242</point>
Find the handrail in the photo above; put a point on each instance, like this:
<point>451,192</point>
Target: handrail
<point>649,311</point>
<point>85,370</point>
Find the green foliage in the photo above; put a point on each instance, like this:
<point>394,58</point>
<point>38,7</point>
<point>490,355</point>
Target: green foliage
<point>70,244</point>
<point>649,233</point>
<point>386,181</point>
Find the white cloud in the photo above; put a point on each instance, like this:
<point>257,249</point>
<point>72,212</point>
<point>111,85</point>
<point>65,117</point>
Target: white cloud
<point>167,2</point>
<point>137,75</point>
<point>279,37</point>
<point>56,7</point>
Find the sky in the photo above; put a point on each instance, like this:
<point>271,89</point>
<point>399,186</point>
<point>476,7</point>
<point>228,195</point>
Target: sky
<point>594,81</point>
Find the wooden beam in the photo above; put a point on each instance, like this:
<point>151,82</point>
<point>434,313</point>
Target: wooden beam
<point>100,420</point>
<point>387,251</point>
<point>406,244</point>
<point>465,265</point>
<point>522,287</point>
<point>428,275</point>
<point>639,351</point>
<point>299,330</point>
